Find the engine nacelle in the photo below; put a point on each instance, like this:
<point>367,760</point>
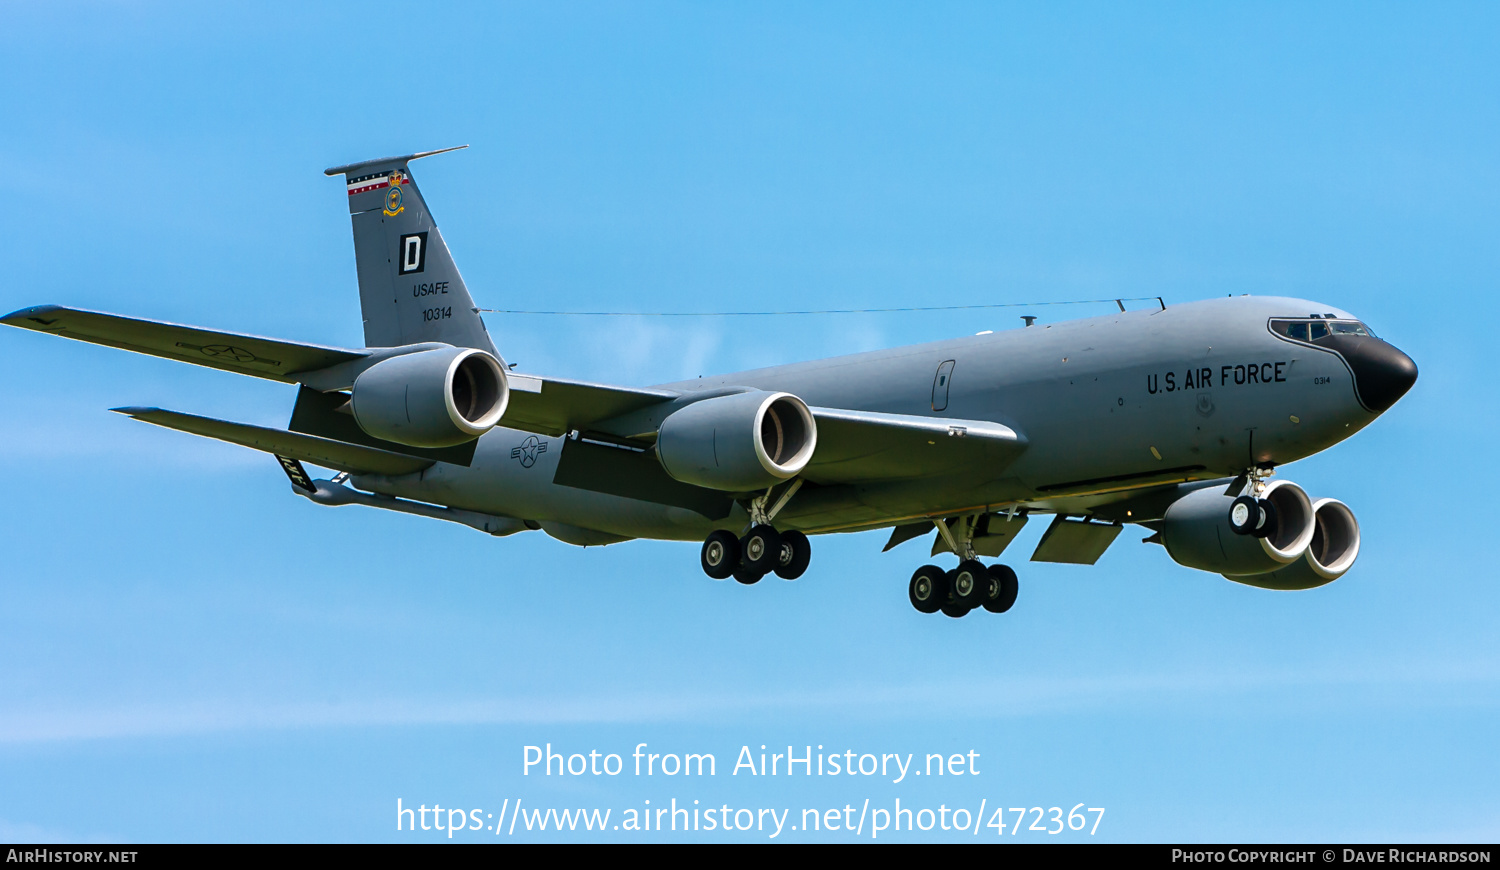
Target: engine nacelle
<point>1334,547</point>
<point>1197,533</point>
<point>432,398</point>
<point>738,443</point>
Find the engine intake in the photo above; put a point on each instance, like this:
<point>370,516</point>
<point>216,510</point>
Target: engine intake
<point>1332,551</point>
<point>1197,532</point>
<point>432,398</point>
<point>738,443</point>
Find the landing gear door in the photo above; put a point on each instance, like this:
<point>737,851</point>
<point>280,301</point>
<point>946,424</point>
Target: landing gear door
<point>940,385</point>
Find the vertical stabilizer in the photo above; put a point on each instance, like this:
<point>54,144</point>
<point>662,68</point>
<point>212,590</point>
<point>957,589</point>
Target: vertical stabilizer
<point>409,288</point>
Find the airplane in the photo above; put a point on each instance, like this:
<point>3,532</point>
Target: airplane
<point>1173,418</point>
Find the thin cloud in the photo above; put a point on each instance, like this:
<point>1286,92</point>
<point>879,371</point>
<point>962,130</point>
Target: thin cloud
<point>990,699</point>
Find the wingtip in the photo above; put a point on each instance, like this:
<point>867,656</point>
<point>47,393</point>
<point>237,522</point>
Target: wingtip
<point>20,315</point>
<point>133,410</point>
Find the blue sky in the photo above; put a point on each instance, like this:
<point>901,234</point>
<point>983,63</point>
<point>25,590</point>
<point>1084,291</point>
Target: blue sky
<point>188,652</point>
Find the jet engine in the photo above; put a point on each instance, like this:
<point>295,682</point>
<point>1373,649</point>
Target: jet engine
<point>738,443</point>
<point>432,398</point>
<point>1199,530</point>
<point>1334,547</point>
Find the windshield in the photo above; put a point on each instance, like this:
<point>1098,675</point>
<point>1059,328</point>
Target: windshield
<point>1314,328</point>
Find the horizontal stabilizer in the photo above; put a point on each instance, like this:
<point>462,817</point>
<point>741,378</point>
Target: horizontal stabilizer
<point>235,352</point>
<point>859,446</point>
<point>326,452</point>
<point>350,168</point>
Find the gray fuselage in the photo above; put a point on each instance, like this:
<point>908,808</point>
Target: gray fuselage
<point>1108,406</point>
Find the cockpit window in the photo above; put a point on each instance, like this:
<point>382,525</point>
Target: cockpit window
<point>1313,328</point>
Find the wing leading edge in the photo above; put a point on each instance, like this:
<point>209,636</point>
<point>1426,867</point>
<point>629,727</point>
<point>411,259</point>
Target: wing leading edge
<point>231,351</point>
<point>867,446</point>
<point>547,406</point>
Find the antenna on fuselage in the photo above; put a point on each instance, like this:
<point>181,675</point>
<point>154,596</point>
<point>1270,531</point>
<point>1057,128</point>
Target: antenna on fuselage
<point>1029,318</point>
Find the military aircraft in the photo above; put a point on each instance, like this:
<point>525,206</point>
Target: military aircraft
<point>1172,418</point>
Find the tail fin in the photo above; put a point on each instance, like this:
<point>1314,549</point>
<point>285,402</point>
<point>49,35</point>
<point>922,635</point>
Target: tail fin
<point>409,289</point>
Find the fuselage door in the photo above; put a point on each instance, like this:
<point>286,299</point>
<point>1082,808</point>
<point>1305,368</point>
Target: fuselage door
<point>940,386</point>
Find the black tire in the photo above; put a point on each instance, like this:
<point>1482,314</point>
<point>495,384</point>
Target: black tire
<point>721,554</point>
<point>928,589</point>
<point>954,609</point>
<point>1244,515</point>
<point>968,582</point>
<point>1267,525</point>
<point>748,576</point>
<point>760,549</point>
<point>796,553</point>
<point>1002,589</point>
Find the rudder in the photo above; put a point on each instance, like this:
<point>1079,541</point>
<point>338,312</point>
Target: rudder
<point>410,291</point>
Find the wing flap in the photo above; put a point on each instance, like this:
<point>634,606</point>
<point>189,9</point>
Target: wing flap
<point>326,452</point>
<point>866,446</point>
<point>235,352</point>
<point>555,406</point>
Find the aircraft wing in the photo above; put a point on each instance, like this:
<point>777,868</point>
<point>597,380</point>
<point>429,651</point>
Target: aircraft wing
<point>245,354</point>
<point>555,406</point>
<point>353,458</point>
<point>861,446</point>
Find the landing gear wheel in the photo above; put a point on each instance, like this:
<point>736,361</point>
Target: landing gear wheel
<point>796,552</point>
<point>928,589</point>
<point>748,576</point>
<point>1244,515</point>
<point>721,554</point>
<point>968,582</point>
<point>1001,591</point>
<point>760,549</point>
<point>954,609</point>
<point>1267,525</point>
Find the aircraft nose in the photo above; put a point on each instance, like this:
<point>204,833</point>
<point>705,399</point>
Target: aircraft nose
<point>1382,373</point>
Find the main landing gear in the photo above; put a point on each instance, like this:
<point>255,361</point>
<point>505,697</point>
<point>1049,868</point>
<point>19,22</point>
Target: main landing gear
<point>762,550</point>
<point>970,586</point>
